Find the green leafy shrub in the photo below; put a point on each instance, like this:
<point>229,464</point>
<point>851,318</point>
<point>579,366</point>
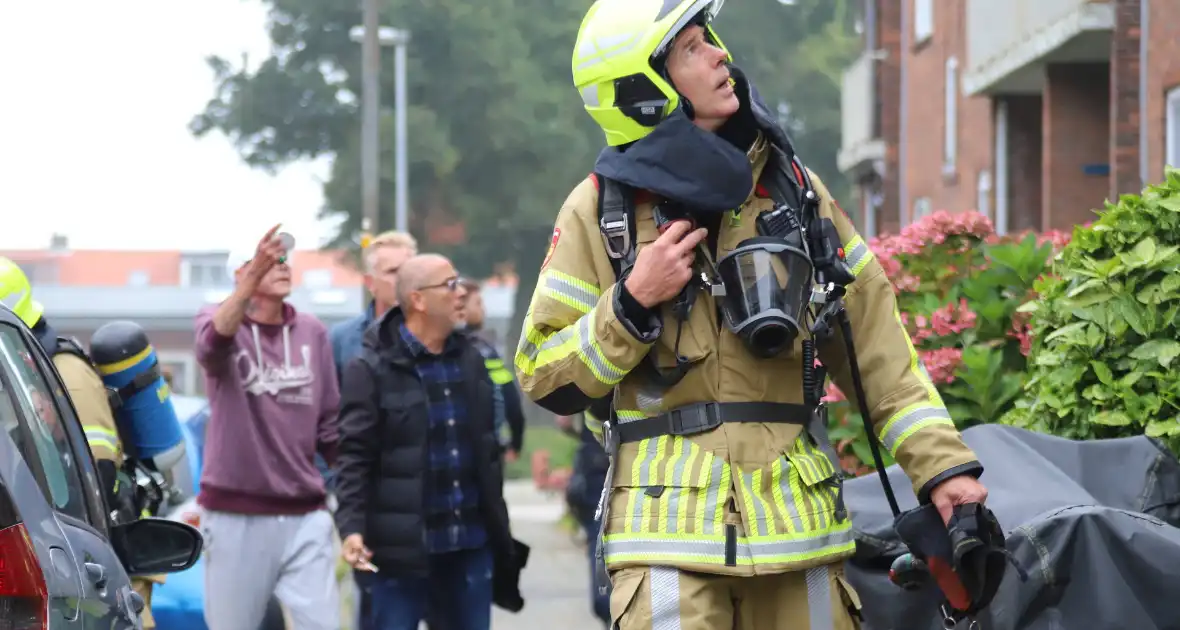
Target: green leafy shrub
<point>959,287</point>
<point>1106,329</point>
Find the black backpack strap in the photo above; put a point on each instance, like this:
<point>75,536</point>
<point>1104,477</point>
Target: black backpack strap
<point>616,221</point>
<point>70,345</point>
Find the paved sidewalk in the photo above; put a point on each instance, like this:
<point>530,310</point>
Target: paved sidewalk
<point>556,582</point>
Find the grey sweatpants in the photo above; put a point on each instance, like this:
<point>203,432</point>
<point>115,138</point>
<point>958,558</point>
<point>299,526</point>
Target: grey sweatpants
<point>248,558</point>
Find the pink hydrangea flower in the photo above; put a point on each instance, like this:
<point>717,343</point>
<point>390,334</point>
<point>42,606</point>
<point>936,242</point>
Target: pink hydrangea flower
<point>941,364</point>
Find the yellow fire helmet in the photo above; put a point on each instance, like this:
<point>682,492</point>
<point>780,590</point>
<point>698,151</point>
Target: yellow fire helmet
<point>612,63</point>
<point>17,294</point>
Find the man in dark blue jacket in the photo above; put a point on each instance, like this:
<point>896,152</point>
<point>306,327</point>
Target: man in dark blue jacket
<point>382,258</point>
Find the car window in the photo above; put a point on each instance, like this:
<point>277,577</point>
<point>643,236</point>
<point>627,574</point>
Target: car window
<point>43,440</point>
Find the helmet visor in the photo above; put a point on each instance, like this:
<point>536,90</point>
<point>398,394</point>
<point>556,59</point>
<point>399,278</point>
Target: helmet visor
<point>765,276</point>
<point>710,7</point>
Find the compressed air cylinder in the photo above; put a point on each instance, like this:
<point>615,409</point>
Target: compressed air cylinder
<point>127,363</point>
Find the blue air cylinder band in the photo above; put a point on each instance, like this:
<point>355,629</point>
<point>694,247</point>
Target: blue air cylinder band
<point>128,365</point>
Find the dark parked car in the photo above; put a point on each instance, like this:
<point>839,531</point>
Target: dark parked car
<point>63,565</point>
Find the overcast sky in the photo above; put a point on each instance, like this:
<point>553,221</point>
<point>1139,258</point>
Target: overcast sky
<point>93,129</point>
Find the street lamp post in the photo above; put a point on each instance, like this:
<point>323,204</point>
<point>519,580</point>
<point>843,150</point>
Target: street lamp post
<point>371,36</point>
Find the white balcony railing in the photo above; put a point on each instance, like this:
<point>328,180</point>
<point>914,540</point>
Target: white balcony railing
<point>858,138</point>
<point>1006,35</point>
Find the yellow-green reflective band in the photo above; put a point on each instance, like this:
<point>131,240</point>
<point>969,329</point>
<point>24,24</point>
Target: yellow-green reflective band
<point>101,437</point>
<point>673,548</point>
<point>497,372</point>
<point>574,293</point>
<point>593,424</point>
<point>909,421</point>
<point>857,254</point>
<point>539,350</point>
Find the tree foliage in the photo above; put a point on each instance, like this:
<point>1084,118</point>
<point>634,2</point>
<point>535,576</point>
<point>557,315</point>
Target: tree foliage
<point>497,134</point>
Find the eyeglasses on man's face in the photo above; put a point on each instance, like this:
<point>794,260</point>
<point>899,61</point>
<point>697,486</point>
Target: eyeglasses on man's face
<point>451,284</point>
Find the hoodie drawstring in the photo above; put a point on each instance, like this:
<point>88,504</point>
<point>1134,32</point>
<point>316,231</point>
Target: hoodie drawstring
<point>257,345</point>
<point>287,346</point>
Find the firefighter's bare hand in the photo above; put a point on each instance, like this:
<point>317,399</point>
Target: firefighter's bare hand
<point>958,490</point>
<point>663,268</point>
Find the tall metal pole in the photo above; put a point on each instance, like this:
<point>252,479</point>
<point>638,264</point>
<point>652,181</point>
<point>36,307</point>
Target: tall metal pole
<point>402,175</point>
<point>370,114</point>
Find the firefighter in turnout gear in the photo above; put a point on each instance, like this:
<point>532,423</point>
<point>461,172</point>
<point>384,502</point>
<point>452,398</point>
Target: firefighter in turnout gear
<point>684,277</point>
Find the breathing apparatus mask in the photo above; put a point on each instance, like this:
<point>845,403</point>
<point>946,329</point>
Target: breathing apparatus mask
<point>764,286</point>
<point>767,282</point>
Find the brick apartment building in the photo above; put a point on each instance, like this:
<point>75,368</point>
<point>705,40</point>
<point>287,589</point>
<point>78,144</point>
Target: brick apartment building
<point>1030,111</point>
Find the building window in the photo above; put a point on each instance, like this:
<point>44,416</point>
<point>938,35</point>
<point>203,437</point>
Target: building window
<point>950,144</point>
<point>983,193</point>
<point>138,279</point>
<point>1172,123</point>
<point>318,278</point>
<point>923,20</point>
<point>205,272</point>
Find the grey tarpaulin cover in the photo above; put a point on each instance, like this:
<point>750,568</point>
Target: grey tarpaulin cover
<point>1095,525</point>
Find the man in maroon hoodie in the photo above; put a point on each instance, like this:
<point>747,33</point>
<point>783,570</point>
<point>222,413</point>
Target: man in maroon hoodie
<point>273,398</point>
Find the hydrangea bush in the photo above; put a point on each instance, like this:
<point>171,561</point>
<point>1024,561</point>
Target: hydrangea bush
<point>959,286</point>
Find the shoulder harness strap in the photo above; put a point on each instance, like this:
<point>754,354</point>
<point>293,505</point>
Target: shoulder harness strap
<point>616,222</point>
<point>70,345</point>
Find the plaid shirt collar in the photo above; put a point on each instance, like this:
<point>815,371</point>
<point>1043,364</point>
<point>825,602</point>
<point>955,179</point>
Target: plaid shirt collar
<point>451,348</point>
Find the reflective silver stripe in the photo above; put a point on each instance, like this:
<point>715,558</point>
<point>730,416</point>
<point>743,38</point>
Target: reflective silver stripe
<point>680,488</point>
<point>651,452</point>
<point>819,599</point>
<point>711,493</point>
<point>784,484</point>
<point>820,508</point>
<point>856,255</point>
<point>97,438</point>
<point>590,96</point>
<point>756,501</point>
<point>606,42</point>
<point>899,428</point>
<point>564,291</point>
<point>768,551</point>
<point>592,354</point>
<point>587,349</point>
<point>649,399</point>
<point>665,598</point>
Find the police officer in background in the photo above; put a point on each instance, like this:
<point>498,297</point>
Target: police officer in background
<point>696,277</point>
<point>586,483</point>
<point>508,413</point>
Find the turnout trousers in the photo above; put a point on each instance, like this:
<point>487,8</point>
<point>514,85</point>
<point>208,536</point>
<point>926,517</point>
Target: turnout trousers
<point>666,598</point>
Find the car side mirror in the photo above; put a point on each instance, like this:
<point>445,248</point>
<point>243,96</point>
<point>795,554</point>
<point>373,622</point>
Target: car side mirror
<point>155,545</point>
